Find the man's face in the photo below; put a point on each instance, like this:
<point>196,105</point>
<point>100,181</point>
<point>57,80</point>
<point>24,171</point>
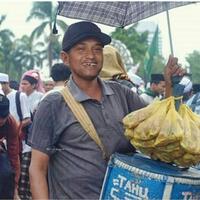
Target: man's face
<point>2,120</point>
<point>4,87</point>
<point>85,59</point>
<point>48,85</point>
<point>160,87</point>
<point>27,87</point>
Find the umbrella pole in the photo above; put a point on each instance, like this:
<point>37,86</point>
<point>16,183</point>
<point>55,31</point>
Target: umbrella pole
<point>169,31</point>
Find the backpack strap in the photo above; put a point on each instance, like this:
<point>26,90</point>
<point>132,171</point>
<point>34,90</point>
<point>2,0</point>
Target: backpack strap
<point>83,118</point>
<point>18,105</point>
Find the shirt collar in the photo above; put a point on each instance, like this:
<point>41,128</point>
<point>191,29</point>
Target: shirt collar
<point>80,96</point>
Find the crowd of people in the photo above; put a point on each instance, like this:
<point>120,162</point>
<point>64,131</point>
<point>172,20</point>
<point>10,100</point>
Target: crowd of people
<point>52,154</point>
<point>17,108</point>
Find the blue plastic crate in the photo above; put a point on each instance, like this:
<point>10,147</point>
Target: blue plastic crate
<point>137,177</point>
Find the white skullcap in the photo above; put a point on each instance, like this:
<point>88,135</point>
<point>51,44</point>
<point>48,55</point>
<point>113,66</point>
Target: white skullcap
<point>4,77</point>
<point>47,79</point>
<point>187,83</point>
<point>1,91</point>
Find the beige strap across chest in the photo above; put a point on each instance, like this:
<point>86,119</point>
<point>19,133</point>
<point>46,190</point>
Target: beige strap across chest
<point>83,118</point>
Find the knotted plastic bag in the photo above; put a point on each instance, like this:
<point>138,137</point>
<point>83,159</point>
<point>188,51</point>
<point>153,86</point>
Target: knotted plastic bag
<point>191,138</point>
<point>171,130</point>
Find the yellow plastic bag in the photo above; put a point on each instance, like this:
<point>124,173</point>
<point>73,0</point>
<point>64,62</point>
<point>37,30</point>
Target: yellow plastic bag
<point>191,138</point>
<point>163,156</point>
<point>187,160</point>
<point>134,118</point>
<point>171,129</point>
<point>150,127</point>
<point>162,133</point>
<point>142,143</point>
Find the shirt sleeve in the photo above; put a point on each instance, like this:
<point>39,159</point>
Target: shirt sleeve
<point>134,101</point>
<point>13,146</point>
<point>41,137</point>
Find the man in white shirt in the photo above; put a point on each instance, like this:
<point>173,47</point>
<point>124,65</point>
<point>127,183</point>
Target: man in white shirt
<point>29,84</point>
<point>11,95</point>
<point>48,84</point>
<point>156,89</point>
<point>23,117</point>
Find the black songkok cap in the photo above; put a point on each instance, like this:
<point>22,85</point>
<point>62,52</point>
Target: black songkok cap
<point>30,79</point>
<point>157,77</point>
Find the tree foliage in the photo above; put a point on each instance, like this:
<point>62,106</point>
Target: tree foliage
<point>136,42</point>
<point>46,12</point>
<point>193,60</point>
<point>18,55</point>
<point>6,47</point>
<point>28,54</point>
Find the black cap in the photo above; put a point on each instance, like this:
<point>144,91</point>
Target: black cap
<point>30,79</point>
<point>4,106</point>
<point>157,77</point>
<point>83,30</point>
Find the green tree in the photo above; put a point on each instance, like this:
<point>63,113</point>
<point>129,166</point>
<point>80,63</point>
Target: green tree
<point>6,49</point>
<point>55,50</point>
<point>27,55</point>
<point>136,42</point>
<point>194,59</point>
<point>46,12</point>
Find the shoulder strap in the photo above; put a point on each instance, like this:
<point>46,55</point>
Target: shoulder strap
<point>83,118</point>
<point>18,105</point>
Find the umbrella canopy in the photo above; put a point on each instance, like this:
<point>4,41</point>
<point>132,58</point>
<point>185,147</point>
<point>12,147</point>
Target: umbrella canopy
<point>115,13</point>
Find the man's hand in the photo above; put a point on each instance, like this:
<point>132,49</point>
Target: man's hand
<point>172,69</point>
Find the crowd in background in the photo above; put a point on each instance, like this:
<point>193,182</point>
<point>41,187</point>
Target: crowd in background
<point>18,103</point>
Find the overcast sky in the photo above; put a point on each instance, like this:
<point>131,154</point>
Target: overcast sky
<point>185,25</point>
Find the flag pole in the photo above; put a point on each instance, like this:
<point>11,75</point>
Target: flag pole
<point>169,30</point>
